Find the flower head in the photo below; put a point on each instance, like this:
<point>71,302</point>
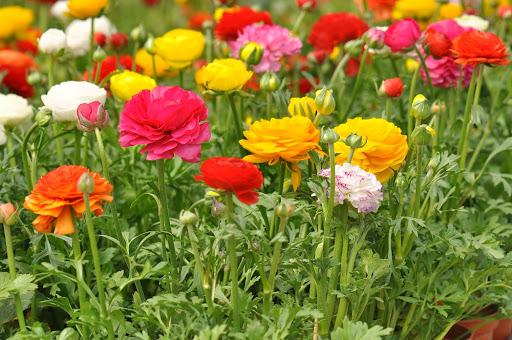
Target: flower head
<point>473,21</point>
<point>144,60</point>
<point>78,34</point>
<point>7,213</point>
<point>126,84</point>
<point>445,72</point>
<point>402,35</point>
<point>14,111</point>
<point>384,151</point>
<point>232,175</point>
<point>15,67</point>
<point>91,115</point>
<point>223,75</point>
<point>276,41</point>
<point>86,8</point>
<point>353,184</point>
<point>232,22</point>
<point>392,87</point>
<point>14,19</point>
<point>450,10</point>
<point>180,47</point>
<point>52,41</point>
<point>56,199</point>
<point>168,121</point>
<point>110,65</point>
<point>420,10</point>
<point>475,47</point>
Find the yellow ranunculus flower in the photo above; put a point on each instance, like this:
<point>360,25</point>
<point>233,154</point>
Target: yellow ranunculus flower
<point>450,11</point>
<point>223,75</point>
<point>288,139</point>
<point>14,19</point>
<point>126,84</point>
<point>86,8</point>
<point>411,65</point>
<point>423,9</point>
<point>384,151</point>
<point>304,106</point>
<point>180,47</point>
<point>144,60</point>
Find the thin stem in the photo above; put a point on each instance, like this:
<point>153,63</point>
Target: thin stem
<point>181,78</point>
<point>209,44</point>
<point>91,47</point>
<point>237,120</point>
<point>24,156</point>
<point>134,55</point>
<point>77,253</point>
<point>269,104</point>
<point>412,91</point>
<point>298,21</point>
<point>424,66</point>
<point>78,143</point>
<point>388,111</point>
<point>12,274</point>
<point>338,70</point>
<point>59,149</point>
<point>276,257</point>
<point>10,150</point>
<point>51,71</point>
<point>357,84</point>
<point>233,265</point>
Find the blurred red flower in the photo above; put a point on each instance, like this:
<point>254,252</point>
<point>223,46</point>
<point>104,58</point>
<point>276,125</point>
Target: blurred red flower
<point>477,47</point>
<point>118,40</point>
<point>392,87</point>
<point>233,22</point>
<point>197,20</point>
<point>112,63</point>
<point>438,43</point>
<point>16,66</point>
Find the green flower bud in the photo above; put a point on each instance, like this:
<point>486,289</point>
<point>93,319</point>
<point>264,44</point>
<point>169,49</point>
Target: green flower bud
<point>43,116</point>
<point>324,100</point>
<point>329,136</point>
<point>7,214</point>
<point>420,107</point>
<point>34,78</point>
<point>149,46</point>
<point>139,34</point>
<point>269,82</point>
<point>318,251</point>
<point>188,217</point>
<point>85,183</point>
<point>284,210</point>
<point>251,53</point>
<point>354,141</point>
<point>422,135</point>
<point>99,55</point>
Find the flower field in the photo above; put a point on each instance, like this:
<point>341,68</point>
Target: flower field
<point>236,169</point>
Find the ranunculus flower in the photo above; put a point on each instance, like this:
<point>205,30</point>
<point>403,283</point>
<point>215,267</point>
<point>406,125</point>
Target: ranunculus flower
<point>233,175</point>
<point>118,40</point>
<point>384,151</point>
<point>91,115</point>
<point>445,72</point>
<point>110,64</point>
<point>232,22</point>
<point>353,184</point>
<point>14,19</point>
<point>63,99</point>
<point>197,20</point>
<point>505,11</point>
<point>392,87</point>
<point>334,29</point>
<point>421,10</point>
<point>223,75</point>
<point>52,41</point>
<point>59,9</point>
<point>144,60</point>
<point>16,66</point>
<point>402,35</point>
<point>14,110</point>
<point>473,21</point>
<point>168,121</point>
<point>78,34</point>
<point>180,47</point>
<point>288,139</point>
<point>126,84</point>
<point>56,199</point>
<point>438,43</point>
<point>7,213</point>
<point>276,41</point>
<point>476,47</point>
<point>86,8</point>
<point>450,10</point>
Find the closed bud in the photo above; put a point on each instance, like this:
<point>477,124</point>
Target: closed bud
<point>7,213</point>
<point>91,115</point>
<point>329,136</point>
<point>284,210</point>
<point>422,135</point>
<point>391,88</point>
<point>438,107</point>
<point>43,116</point>
<point>99,55</point>
<point>188,217</point>
<point>353,47</point>
<point>354,141</point>
<point>85,183</point>
<point>139,34</point>
<point>319,250</point>
<point>420,107</point>
<point>324,100</point>
<point>149,46</point>
<point>251,53</point>
<point>34,78</point>
<point>411,65</point>
<point>269,82</point>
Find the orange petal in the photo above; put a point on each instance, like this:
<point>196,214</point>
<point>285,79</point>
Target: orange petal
<point>64,223</point>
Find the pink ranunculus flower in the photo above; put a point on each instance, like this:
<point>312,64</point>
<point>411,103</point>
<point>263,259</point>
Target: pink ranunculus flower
<point>450,28</point>
<point>358,187</point>
<point>445,73</point>
<point>168,120</point>
<point>402,35</point>
<point>277,42</point>
<point>91,115</point>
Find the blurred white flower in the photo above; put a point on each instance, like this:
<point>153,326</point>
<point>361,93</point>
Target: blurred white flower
<point>14,110</point>
<point>78,34</point>
<point>59,9</point>
<point>360,188</point>
<point>473,21</point>
<point>52,41</point>
<point>63,99</point>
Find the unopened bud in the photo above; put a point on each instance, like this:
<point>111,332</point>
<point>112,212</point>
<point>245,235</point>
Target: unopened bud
<point>34,78</point>
<point>354,141</point>
<point>7,214</point>
<point>43,116</point>
<point>438,107</point>
<point>324,100</point>
<point>422,135</point>
<point>139,34</point>
<point>149,46</point>
<point>91,115</point>
<point>188,217</point>
<point>329,136</point>
<point>85,183</point>
<point>269,82</point>
<point>420,107</point>
<point>99,55</point>
<point>284,210</point>
<point>251,53</point>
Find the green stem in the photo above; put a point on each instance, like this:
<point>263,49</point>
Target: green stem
<point>388,112</point>
<point>276,257</point>
<point>233,264</point>
<point>59,149</point>
<point>51,71</point>
<point>298,21</point>
<point>24,157</point>
<point>269,105</point>
<point>181,78</point>
<point>97,266</point>
<point>412,91</point>
<point>78,143</point>
<point>153,65</point>
<point>424,66</point>
<point>357,85</point>
<point>12,273</point>
<point>77,253</point>
<point>338,70</point>
<point>91,47</point>
<point>10,150</point>
<point>85,154</point>
<point>237,121</point>
<point>209,44</point>
<point>134,55</point>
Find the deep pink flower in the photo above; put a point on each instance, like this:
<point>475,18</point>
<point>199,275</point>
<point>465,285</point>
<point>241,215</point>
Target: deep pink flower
<point>168,120</point>
<point>277,42</point>
<point>402,35</point>
<point>91,115</point>
<point>450,28</point>
<point>445,73</point>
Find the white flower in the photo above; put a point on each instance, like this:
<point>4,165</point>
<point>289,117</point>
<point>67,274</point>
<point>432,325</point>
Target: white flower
<point>52,41</point>
<point>78,33</point>
<point>14,110</point>
<point>360,188</point>
<point>63,99</point>
<point>59,9</point>
<point>473,21</point>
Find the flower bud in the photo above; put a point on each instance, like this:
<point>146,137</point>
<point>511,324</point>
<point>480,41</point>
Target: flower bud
<point>420,107</point>
<point>91,115</point>
<point>118,40</point>
<point>85,183</point>
<point>329,136</point>
<point>269,82</point>
<point>411,65</point>
<point>438,107</point>
<point>34,78</point>
<point>7,213</point>
<point>149,46</point>
<point>251,53</point>
<point>391,88</point>
<point>318,251</point>
<point>100,39</point>
<point>422,135</point>
<point>284,210</point>
<point>43,116</point>
<point>139,34</point>
<point>374,37</point>
<point>99,55</point>
<point>353,47</point>
<point>354,141</point>
<point>324,100</point>
<point>188,217</point>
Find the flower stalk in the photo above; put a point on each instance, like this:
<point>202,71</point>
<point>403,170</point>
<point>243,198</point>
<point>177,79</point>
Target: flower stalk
<point>233,265</point>
<point>357,84</point>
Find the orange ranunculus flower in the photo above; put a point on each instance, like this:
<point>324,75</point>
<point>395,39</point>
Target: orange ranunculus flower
<point>288,139</point>
<point>56,198</point>
<point>477,47</point>
<point>86,8</point>
<point>384,151</point>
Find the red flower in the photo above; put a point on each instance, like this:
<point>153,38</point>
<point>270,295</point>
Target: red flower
<point>438,43</point>
<point>151,2</point>
<point>100,39</point>
<point>110,64</point>
<point>392,87</point>
<point>233,22</point>
<point>233,175</point>
<point>305,86</point>
<point>118,40</point>
<point>309,4</point>
<point>334,29</point>
<point>197,20</point>
<point>16,66</point>
<point>381,5</point>
<point>476,47</point>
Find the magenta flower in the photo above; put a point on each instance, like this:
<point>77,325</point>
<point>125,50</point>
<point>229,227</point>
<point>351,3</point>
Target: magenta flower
<point>91,115</point>
<point>168,120</point>
<point>450,28</point>
<point>445,73</point>
<point>277,42</point>
<point>402,35</point>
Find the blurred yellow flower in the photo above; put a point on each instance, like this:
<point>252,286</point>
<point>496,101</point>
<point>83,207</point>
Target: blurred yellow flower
<point>86,8</point>
<point>288,139</point>
<point>411,65</point>
<point>423,9</point>
<point>144,60</point>
<point>450,11</point>
<point>384,151</point>
<point>14,19</point>
<point>223,75</point>
<point>180,47</point>
<point>304,106</point>
<point>126,84</point>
